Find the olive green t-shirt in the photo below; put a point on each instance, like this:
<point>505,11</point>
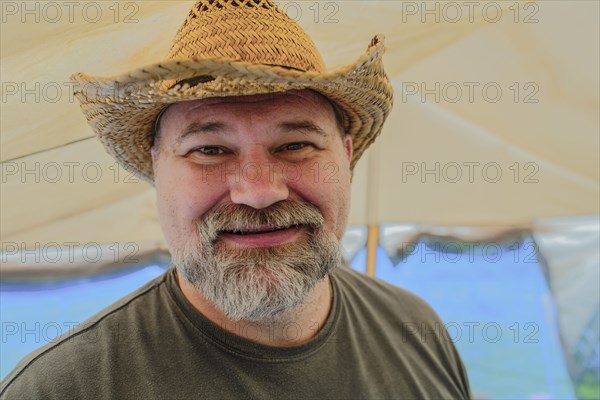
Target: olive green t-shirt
<point>379,342</point>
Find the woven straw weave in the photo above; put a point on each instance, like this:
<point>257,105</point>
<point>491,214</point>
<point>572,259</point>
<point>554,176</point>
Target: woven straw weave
<point>231,48</point>
<point>253,31</point>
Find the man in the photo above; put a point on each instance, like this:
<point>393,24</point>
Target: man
<point>250,144</point>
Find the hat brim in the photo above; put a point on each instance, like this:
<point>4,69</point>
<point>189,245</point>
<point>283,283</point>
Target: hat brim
<point>122,109</point>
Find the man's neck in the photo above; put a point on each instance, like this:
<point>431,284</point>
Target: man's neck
<point>290,330</point>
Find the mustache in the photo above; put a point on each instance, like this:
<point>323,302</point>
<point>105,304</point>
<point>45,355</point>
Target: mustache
<point>232,217</point>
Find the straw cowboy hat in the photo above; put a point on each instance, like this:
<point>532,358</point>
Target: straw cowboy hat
<point>231,48</point>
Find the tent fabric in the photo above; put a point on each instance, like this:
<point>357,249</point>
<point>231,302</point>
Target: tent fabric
<point>446,156</point>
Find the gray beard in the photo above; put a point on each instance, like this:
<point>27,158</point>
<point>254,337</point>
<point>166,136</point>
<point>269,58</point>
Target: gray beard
<point>259,284</point>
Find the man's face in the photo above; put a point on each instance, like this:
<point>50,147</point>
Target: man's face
<point>253,197</point>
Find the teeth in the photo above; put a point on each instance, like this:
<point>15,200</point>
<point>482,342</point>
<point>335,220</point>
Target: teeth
<point>245,232</point>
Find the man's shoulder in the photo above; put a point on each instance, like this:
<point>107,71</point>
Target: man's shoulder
<point>385,313</point>
<point>362,288</point>
<point>82,348</point>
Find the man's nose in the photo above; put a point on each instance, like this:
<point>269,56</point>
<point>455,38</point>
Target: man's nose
<point>260,181</point>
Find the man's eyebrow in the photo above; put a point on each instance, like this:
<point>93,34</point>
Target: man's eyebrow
<point>304,125</point>
<point>196,128</point>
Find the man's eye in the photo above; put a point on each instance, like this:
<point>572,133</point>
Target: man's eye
<point>209,150</point>
<point>295,146</point>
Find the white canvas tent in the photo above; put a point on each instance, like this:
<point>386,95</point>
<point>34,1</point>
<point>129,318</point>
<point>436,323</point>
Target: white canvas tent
<point>495,128</point>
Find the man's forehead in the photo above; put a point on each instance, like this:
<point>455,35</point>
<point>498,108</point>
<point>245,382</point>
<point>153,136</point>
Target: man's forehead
<point>292,96</point>
<point>302,106</point>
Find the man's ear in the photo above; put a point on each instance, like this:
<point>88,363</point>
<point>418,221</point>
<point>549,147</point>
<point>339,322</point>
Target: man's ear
<point>348,146</point>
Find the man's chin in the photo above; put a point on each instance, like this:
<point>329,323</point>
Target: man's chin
<point>259,283</point>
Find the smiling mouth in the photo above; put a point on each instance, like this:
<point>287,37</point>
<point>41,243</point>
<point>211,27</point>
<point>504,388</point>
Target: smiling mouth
<point>263,236</point>
<point>258,230</point>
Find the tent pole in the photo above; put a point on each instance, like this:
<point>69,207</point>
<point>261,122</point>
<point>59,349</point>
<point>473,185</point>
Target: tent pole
<point>373,174</point>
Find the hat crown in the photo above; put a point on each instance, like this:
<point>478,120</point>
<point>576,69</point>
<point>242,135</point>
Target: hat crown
<point>254,31</point>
